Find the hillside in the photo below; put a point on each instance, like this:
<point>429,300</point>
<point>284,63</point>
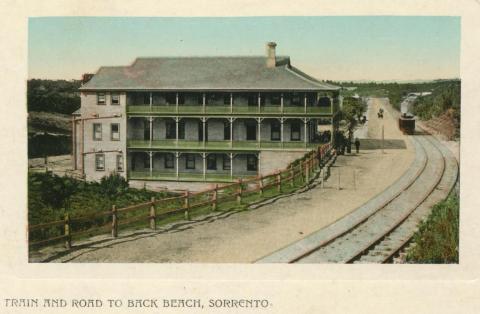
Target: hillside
<point>50,104</point>
<point>440,109</point>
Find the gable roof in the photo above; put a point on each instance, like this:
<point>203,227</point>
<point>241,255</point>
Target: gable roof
<point>205,73</point>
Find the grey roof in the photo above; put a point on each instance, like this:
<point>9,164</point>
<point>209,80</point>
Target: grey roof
<point>204,73</point>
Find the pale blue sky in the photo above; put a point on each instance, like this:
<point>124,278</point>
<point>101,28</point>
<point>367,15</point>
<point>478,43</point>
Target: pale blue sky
<point>336,48</point>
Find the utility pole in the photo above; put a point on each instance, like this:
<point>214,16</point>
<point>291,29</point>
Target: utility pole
<point>382,138</point>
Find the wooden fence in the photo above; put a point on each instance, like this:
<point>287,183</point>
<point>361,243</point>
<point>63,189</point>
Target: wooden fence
<point>297,174</point>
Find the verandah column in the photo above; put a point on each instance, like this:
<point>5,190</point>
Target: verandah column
<point>203,128</point>
<point>203,102</point>
<point>177,154</point>
<point>281,131</point>
<point>151,101</point>
<point>231,165</point>
<point>231,102</point>
<point>177,119</point>
<point>281,102</point>
<point>305,102</point>
<point>231,131</point>
<point>305,122</point>
<point>204,156</point>
<point>150,155</point>
<point>259,120</point>
<point>150,120</point>
<point>259,101</point>
<point>176,102</point>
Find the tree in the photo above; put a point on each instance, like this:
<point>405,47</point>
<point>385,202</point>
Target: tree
<point>352,111</point>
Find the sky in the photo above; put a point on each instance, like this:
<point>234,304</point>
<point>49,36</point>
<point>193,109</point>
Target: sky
<point>372,48</point>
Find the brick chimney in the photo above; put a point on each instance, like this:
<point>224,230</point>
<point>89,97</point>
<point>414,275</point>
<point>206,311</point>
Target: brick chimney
<point>271,59</point>
<point>86,77</point>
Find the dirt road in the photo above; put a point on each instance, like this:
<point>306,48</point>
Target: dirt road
<point>244,237</point>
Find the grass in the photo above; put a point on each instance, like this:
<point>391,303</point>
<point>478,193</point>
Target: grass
<point>437,240</point>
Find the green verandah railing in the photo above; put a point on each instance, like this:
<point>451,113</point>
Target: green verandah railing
<point>198,109</point>
<point>161,211</point>
<point>218,145</point>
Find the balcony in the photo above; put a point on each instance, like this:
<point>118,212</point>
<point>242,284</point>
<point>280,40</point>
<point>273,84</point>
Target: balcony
<point>227,110</point>
<point>219,145</point>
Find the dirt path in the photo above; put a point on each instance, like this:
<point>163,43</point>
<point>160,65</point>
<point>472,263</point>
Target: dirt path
<point>249,235</point>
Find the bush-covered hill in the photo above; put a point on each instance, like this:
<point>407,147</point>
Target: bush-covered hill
<point>58,96</point>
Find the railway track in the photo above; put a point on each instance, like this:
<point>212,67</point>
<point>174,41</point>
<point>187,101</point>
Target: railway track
<point>377,231</point>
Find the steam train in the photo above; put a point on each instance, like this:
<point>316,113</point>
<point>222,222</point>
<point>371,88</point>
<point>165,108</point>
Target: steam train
<point>406,123</point>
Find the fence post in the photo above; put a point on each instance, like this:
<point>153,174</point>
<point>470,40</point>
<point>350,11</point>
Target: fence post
<point>239,192</point>
<point>187,204</point>
<point>260,185</point>
<point>214,198</point>
<point>279,182</point>
<point>323,177</point>
<point>114,222</point>
<point>307,174</point>
<point>153,224</point>
<point>68,237</point>
<point>292,177</point>
<point>300,171</point>
<point>338,187</point>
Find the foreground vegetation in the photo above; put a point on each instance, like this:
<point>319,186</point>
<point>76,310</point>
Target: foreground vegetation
<point>50,197</point>
<point>437,238</point>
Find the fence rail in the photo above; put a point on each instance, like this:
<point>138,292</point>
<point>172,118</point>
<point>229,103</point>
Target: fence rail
<point>297,174</point>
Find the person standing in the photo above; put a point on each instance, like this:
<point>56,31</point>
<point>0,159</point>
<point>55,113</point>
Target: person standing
<point>357,145</point>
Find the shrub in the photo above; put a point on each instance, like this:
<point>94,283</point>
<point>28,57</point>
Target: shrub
<point>113,185</point>
<point>437,239</point>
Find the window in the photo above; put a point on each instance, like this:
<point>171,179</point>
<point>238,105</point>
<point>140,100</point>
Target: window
<point>275,100</point>
<point>171,99</point>
<point>170,129</point>
<point>120,163</point>
<point>226,99</point>
<point>295,131</point>
<point>181,129</point>
<point>181,99</point>
<point>100,162</point>
<point>252,100</point>
<point>226,130</point>
<point>115,131</point>
<point>226,162</point>
<point>97,131</point>
<point>146,99</point>
<point>146,161</point>
<point>212,162</point>
<point>169,163</point>
<point>146,130</point>
<point>275,131</point>
<point>200,99</point>
<point>190,161</point>
<point>251,130</point>
<point>100,98</point>
<point>296,101</point>
<point>200,131</point>
<point>251,163</point>
<point>115,99</point>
